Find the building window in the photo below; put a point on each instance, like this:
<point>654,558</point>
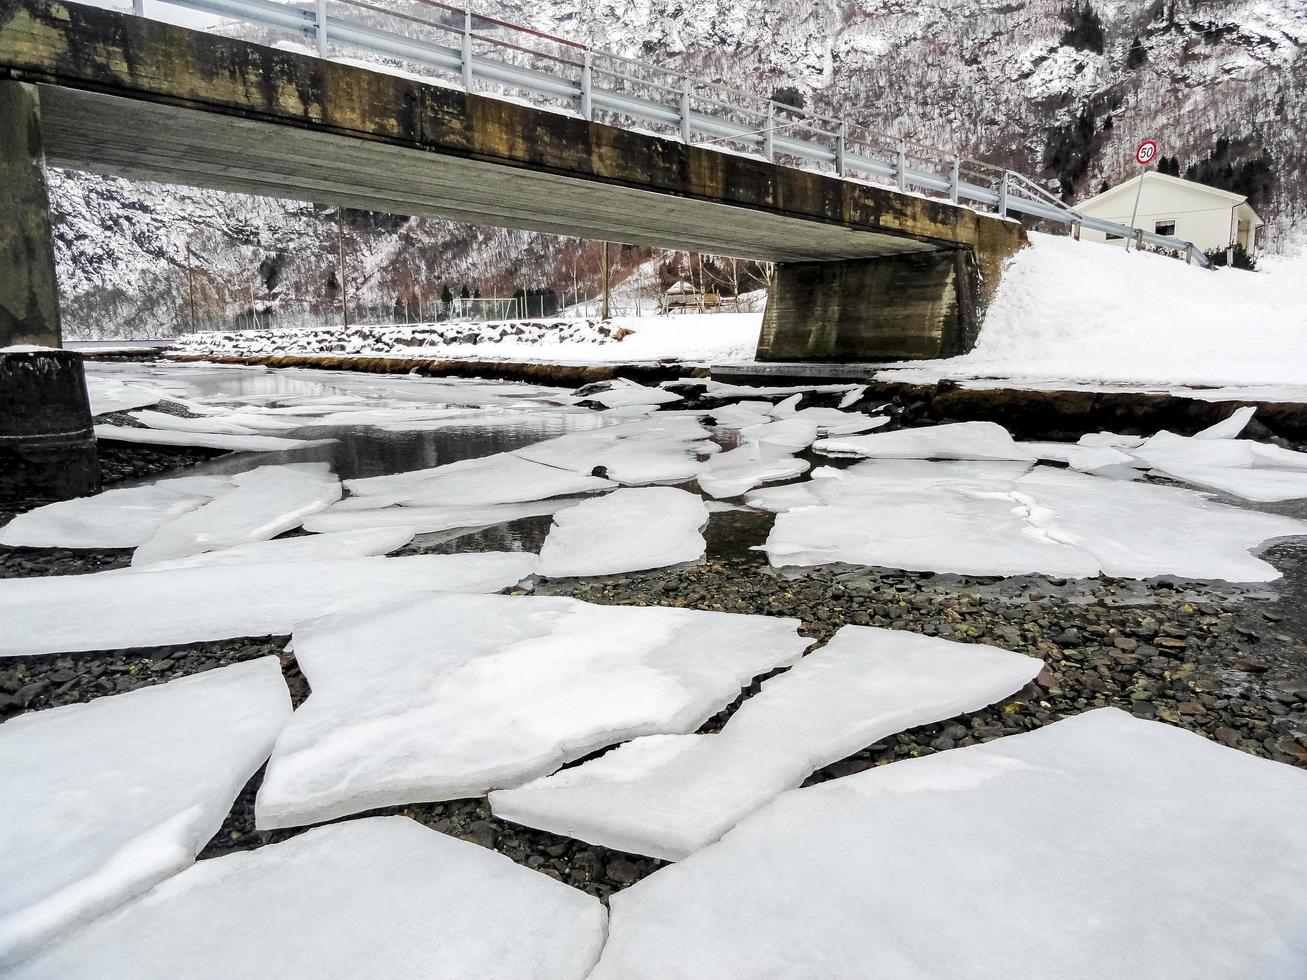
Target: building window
<point>1165,227</point>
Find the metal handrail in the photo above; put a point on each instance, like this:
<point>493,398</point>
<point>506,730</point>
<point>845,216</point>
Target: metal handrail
<point>903,166</point>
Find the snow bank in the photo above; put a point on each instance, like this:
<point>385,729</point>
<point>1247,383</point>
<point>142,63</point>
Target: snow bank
<point>708,337</point>
<point>1082,311</point>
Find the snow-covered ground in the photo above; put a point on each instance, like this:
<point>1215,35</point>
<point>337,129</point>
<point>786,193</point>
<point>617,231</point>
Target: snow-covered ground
<point>1091,313</point>
<point>708,337</point>
<point>1066,314</point>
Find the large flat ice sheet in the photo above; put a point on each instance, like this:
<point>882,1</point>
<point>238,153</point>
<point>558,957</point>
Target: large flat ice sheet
<point>670,795</point>
<point>739,470</point>
<point>103,799</point>
<point>110,610</point>
<point>1049,521</point>
<point>265,502</point>
<point>107,395</point>
<point>952,440</point>
<point>625,531</point>
<point>205,440</point>
<point>664,448</point>
<point>452,696</point>
<point>1262,485</point>
<point>1098,846</point>
<point>424,520</point>
<point>360,543</point>
<point>503,478</point>
<point>112,519</point>
<point>381,897</point>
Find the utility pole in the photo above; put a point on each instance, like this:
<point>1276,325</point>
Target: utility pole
<point>190,281</point>
<point>605,261</point>
<point>344,293</point>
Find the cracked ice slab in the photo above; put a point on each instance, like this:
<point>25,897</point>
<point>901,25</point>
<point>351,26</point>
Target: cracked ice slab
<point>670,795</point>
<point>1170,856</point>
<point>379,897</point>
<point>1262,485</point>
<point>423,520</point>
<point>1052,522</point>
<point>953,440</point>
<point>451,696</point>
<point>738,470</point>
<point>623,394</point>
<point>103,799</point>
<point>625,531</point>
<point>1141,530</point>
<point>112,610</point>
<point>503,478</point>
<point>204,440</point>
<point>664,448</point>
<point>113,519</point>
<point>107,395</point>
<point>265,502</point>
<point>360,543</point>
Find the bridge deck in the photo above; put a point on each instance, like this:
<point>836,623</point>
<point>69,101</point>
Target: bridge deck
<point>146,100</point>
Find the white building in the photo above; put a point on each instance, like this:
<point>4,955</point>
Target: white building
<point>1208,217</point>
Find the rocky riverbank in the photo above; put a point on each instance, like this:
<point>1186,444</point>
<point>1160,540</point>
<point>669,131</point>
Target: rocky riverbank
<point>1228,663</point>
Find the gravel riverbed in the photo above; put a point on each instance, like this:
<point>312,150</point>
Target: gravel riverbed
<point>1229,663</point>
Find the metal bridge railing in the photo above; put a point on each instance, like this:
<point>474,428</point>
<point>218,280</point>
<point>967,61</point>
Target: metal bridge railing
<point>475,52</point>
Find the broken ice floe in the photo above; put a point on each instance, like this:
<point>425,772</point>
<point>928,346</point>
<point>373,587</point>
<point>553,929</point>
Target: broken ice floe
<point>628,530</point>
<point>112,519</point>
<point>789,435</point>
<point>953,440</point>
<point>103,799</point>
<point>1262,485</point>
<point>112,610</point>
<point>265,502</point>
<point>833,422</point>
<point>664,448</point>
<point>424,520</point>
<point>454,695</point>
<point>741,469</point>
<point>204,440</point>
<point>379,897</point>
<point>1188,855</point>
<point>107,395</point>
<point>1055,522</point>
<point>503,478</point>
<point>362,542</point>
<point>670,795</point>
<point>621,393</point>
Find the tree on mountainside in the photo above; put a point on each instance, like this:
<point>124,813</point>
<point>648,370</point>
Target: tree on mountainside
<point>1233,168</point>
<point>1136,54</point>
<point>1084,28</point>
<point>1069,149</point>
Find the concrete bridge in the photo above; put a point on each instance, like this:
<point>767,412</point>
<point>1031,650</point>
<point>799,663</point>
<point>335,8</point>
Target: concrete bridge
<point>863,272</point>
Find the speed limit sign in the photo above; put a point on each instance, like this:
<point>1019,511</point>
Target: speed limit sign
<point>1145,152</point>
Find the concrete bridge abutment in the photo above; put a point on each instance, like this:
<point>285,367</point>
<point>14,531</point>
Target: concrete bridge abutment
<point>909,306</point>
<point>47,441</point>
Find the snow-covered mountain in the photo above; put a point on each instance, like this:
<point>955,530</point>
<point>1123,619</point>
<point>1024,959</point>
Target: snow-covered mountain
<point>1060,93</point>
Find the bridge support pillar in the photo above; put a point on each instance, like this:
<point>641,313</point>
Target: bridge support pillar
<point>911,305</point>
<point>47,444</point>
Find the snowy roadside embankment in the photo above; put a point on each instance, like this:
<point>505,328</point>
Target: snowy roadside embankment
<point>1079,311</point>
<point>695,337</point>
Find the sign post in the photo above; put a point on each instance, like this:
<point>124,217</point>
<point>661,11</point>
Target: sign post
<point>1144,153</point>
